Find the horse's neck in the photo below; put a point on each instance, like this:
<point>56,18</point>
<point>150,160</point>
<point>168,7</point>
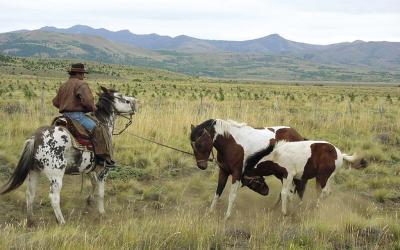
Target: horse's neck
<point>239,134</point>
<point>224,145</point>
<point>107,120</point>
<point>251,140</point>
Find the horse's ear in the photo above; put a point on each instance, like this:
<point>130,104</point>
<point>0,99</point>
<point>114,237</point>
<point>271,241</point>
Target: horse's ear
<point>192,127</point>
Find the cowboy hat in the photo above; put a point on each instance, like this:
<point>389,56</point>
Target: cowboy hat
<point>77,68</point>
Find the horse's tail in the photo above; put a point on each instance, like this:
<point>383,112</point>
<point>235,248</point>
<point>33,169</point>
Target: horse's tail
<point>23,167</point>
<point>356,161</point>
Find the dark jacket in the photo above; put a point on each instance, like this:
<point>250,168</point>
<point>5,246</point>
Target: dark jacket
<point>74,96</point>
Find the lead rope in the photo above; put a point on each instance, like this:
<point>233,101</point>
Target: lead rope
<point>170,147</point>
<point>126,125</point>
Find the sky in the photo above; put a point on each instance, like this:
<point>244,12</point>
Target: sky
<point>309,21</point>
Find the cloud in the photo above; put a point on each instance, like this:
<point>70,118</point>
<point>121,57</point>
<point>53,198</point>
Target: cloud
<point>300,20</point>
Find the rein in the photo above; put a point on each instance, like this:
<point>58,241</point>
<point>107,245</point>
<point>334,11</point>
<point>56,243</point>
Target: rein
<point>126,125</point>
<point>149,140</point>
<point>166,146</point>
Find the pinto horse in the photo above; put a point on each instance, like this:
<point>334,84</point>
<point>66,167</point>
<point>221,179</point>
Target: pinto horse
<point>300,161</point>
<point>52,150</point>
<point>234,143</point>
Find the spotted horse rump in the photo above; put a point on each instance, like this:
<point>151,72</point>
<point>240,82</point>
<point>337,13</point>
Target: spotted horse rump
<point>234,143</point>
<point>298,162</point>
<point>51,150</point>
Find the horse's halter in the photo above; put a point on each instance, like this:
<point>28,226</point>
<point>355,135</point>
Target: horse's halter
<point>195,149</point>
<point>116,112</point>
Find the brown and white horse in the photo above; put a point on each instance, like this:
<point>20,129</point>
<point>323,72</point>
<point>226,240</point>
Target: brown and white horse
<point>300,161</point>
<point>51,151</point>
<point>234,143</point>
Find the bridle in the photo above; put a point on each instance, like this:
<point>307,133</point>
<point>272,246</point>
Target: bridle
<point>212,152</point>
<point>127,116</point>
<point>126,124</point>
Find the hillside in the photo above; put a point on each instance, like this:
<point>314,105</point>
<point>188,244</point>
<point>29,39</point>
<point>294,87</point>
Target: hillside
<point>382,55</point>
<point>268,58</point>
<point>58,45</point>
<point>270,44</point>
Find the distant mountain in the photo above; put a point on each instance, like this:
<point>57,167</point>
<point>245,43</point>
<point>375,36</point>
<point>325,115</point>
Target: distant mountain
<point>272,57</point>
<point>379,55</point>
<point>270,44</point>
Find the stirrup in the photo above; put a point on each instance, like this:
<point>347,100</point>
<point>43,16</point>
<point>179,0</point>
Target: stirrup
<point>106,163</point>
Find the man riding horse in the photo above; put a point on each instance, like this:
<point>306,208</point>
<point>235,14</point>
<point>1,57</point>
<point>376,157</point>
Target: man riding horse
<point>74,99</point>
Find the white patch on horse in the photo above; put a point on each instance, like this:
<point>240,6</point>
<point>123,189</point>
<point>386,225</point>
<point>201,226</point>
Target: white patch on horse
<point>293,156</point>
<point>252,140</point>
<point>50,153</point>
<point>232,198</point>
<point>125,106</point>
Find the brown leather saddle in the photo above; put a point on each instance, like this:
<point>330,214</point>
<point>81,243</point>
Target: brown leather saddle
<point>81,135</point>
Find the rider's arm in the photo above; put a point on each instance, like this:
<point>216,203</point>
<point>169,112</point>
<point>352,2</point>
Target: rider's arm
<point>86,97</point>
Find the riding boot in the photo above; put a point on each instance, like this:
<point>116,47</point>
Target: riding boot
<point>102,146</point>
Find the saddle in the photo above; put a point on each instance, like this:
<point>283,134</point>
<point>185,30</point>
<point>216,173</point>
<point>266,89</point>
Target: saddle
<point>80,134</point>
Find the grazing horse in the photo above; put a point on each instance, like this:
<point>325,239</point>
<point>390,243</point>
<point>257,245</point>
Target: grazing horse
<point>300,161</point>
<point>54,151</point>
<point>234,143</point>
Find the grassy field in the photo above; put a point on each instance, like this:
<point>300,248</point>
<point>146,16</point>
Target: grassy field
<point>158,199</point>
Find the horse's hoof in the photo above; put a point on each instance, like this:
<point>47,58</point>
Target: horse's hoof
<point>30,223</point>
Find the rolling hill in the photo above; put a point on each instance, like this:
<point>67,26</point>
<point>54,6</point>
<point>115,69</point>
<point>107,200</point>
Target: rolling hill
<point>269,58</point>
<point>59,45</point>
<point>270,44</point>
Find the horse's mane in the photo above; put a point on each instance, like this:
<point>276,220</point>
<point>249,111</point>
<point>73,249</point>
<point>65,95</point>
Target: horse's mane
<point>205,125</point>
<point>253,159</point>
<point>104,105</point>
<point>223,126</point>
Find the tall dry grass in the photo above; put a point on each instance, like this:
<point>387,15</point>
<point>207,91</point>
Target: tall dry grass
<point>158,199</point>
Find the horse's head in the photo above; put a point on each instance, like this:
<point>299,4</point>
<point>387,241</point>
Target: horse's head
<point>112,100</point>
<point>201,139</point>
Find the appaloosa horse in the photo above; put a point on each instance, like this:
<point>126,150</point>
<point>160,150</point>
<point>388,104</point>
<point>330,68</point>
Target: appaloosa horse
<point>53,151</point>
<point>301,161</point>
<point>234,143</point>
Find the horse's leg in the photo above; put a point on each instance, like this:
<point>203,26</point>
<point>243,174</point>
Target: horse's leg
<point>278,202</point>
<point>324,183</point>
<point>222,178</point>
<point>93,179</point>
<point>54,195</point>
<point>232,194</point>
<point>100,189</point>
<point>300,187</point>
<point>287,186</point>
<point>30,194</point>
